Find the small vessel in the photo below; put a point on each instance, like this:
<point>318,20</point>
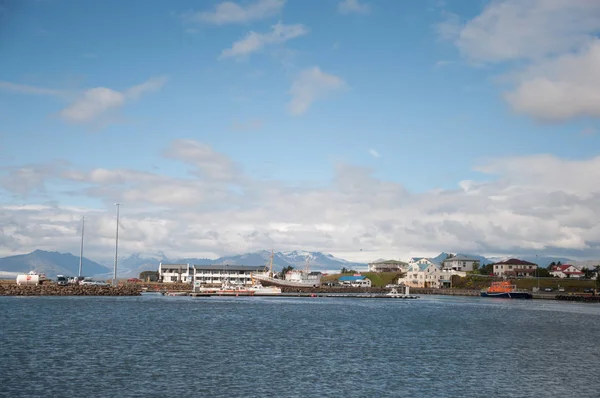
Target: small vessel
<point>293,278</point>
<point>259,289</point>
<point>505,289</point>
<point>227,289</point>
<point>404,294</point>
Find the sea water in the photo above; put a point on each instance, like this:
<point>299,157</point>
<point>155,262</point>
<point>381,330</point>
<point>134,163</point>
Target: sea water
<point>155,346</point>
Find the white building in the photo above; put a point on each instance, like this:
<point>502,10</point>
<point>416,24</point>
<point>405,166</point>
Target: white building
<point>172,273</point>
<point>215,274</point>
<point>460,263</point>
<point>515,268</point>
<point>388,266</point>
<point>566,271</point>
<point>425,274</point>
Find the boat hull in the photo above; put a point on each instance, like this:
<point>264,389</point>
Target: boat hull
<point>268,281</point>
<point>508,295</point>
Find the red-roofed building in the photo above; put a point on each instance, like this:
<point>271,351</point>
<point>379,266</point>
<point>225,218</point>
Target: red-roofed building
<point>514,268</point>
<point>566,271</point>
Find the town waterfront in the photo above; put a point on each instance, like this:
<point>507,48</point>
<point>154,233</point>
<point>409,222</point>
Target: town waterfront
<point>438,346</point>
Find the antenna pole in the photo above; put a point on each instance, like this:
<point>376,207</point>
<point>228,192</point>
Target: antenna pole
<point>114,281</point>
<point>81,248</point>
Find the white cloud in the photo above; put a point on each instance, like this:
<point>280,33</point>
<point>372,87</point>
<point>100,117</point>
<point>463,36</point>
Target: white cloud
<point>97,101</point>
<point>353,6</point>
<point>555,40</point>
<point>560,89</point>
<point>26,89</point>
<point>253,41</point>
<point>310,85</point>
<point>229,12</point>
<point>589,131</point>
<point>89,105</point>
<point>93,103</point>
<point>374,153</point>
<point>540,203</point>
<point>529,29</point>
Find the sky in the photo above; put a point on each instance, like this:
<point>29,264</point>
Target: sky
<point>364,129</point>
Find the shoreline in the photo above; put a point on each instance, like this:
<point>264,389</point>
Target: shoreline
<point>130,289</point>
<point>69,290</point>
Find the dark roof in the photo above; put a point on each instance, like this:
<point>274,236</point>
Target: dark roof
<point>460,258</point>
<point>226,267</point>
<point>389,262</point>
<point>515,261</point>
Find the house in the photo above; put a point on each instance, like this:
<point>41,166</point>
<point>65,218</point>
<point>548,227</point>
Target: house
<point>425,274</point>
<point>173,273</point>
<point>215,274</point>
<point>355,281</point>
<point>388,266</point>
<point>460,263</point>
<point>566,271</point>
<point>514,267</point>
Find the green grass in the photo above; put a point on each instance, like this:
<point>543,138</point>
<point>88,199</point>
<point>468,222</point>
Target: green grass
<point>378,279</point>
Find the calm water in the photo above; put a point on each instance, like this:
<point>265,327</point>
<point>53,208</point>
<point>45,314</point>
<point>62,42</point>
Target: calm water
<point>154,346</point>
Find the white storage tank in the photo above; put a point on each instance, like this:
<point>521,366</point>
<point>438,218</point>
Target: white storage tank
<point>31,278</point>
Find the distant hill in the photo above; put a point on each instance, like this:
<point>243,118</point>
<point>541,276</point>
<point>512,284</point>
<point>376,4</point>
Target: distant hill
<point>50,263</point>
<point>136,263</point>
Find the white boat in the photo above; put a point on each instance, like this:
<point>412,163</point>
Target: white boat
<point>293,278</point>
<point>403,294</point>
<point>259,289</point>
<point>227,288</point>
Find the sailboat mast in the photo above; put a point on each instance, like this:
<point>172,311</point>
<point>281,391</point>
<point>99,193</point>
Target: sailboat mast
<point>81,248</point>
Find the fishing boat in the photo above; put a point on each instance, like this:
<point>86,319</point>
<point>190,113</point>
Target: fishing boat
<point>226,289</point>
<point>293,278</point>
<point>505,289</point>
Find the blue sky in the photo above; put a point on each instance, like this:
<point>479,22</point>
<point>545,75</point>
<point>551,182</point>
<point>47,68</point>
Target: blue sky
<point>404,88</point>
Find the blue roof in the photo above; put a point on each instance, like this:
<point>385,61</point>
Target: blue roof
<point>351,278</point>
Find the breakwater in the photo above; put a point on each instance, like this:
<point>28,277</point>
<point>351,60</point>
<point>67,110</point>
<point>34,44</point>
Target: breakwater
<point>68,290</point>
<point>582,298</point>
<point>446,292</point>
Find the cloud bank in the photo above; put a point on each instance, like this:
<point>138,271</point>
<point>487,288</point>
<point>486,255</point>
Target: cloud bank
<point>531,204</point>
<point>551,49</point>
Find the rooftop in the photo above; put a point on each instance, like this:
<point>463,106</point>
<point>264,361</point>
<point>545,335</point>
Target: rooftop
<point>461,258</point>
<point>226,267</point>
<point>515,261</point>
<point>351,278</point>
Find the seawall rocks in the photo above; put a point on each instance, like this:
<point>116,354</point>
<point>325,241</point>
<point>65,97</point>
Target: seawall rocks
<point>69,290</point>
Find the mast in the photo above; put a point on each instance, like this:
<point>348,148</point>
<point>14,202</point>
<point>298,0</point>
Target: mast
<point>81,248</point>
<point>307,265</point>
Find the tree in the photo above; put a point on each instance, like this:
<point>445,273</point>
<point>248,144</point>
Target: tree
<point>285,270</point>
<point>347,271</point>
<point>542,273</point>
<point>587,273</point>
<point>558,264</point>
<point>151,276</point>
<point>486,269</point>
<point>551,265</point>
<point>476,266</point>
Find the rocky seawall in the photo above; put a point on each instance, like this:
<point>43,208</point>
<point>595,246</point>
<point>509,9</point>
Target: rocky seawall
<point>69,290</point>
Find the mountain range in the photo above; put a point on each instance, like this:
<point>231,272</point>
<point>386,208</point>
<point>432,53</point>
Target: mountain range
<point>55,263</point>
